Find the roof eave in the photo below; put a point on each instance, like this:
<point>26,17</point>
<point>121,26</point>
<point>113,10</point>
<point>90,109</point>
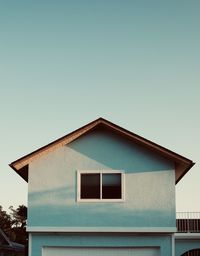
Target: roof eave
<point>24,161</point>
<point>24,174</point>
<point>185,171</point>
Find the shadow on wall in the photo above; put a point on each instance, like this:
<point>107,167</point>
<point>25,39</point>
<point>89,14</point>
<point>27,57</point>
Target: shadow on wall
<point>52,200</point>
<point>116,152</point>
<point>57,208</point>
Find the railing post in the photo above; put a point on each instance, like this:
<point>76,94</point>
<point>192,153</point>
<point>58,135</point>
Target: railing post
<point>188,222</point>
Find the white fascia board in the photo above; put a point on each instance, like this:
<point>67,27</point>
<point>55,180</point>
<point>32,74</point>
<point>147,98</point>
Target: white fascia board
<point>30,244</point>
<point>103,229</point>
<point>187,236</point>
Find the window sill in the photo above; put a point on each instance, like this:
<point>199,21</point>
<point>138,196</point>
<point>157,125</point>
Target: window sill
<point>100,200</point>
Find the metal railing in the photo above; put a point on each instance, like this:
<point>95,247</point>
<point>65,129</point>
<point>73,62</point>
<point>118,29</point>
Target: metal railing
<point>188,222</point>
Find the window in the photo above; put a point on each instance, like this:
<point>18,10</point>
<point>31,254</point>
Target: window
<point>100,186</point>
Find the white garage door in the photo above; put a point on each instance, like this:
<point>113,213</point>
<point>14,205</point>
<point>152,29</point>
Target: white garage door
<point>63,251</point>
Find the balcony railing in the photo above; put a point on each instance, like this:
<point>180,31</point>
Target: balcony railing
<point>188,222</point>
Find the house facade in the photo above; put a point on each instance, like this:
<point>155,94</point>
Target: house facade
<point>101,190</point>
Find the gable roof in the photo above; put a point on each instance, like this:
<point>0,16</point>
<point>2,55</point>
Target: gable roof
<point>182,164</point>
<point>4,238</point>
<point>7,243</point>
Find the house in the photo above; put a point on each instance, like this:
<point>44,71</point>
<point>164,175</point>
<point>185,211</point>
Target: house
<point>102,190</point>
<point>9,248</point>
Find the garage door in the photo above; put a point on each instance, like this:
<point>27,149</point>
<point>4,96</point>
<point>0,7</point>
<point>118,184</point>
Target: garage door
<point>62,251</point>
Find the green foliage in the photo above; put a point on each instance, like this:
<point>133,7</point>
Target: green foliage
<point>5,222</point>
<point>19,216</point>
<point>14,224</point>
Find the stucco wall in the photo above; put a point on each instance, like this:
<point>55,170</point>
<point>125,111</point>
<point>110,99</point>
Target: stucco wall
<point>149,185</point>
<point>185,245</point>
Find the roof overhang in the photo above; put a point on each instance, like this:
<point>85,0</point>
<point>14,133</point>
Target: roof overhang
<point>182,164</point>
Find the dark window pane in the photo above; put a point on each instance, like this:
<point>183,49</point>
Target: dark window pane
<point>111,186</point>
<point>90,186</point>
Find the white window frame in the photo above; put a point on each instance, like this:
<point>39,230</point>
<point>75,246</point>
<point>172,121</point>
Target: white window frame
<point>103,200</point>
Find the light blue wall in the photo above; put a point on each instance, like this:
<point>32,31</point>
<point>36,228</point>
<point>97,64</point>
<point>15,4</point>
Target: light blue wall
<point>104,240</point>
<point>185,245</point>
<point>149,185</point>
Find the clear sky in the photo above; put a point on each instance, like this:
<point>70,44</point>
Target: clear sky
<point>66,63</point>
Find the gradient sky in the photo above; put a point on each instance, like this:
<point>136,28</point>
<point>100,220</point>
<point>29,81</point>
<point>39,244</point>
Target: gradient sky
<point>66,63</point>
